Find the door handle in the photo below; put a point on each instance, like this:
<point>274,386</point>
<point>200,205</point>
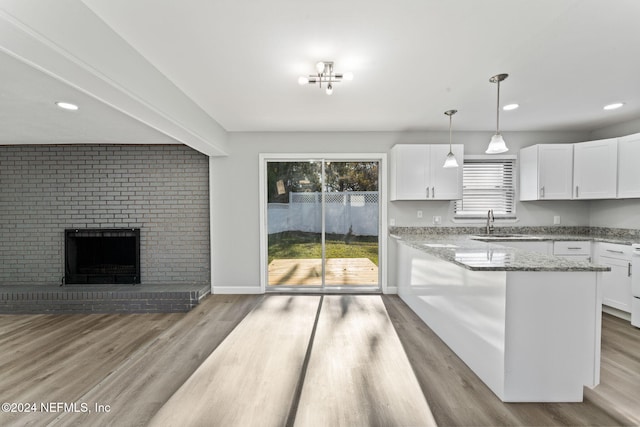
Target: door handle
<point>629,270</point>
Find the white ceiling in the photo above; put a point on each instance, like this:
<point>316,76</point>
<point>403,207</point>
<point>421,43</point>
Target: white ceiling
<point>239,60</point>
<point>28,113</point>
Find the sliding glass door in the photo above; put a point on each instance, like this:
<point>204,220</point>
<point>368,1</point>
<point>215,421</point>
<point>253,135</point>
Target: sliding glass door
<point>322,224</point>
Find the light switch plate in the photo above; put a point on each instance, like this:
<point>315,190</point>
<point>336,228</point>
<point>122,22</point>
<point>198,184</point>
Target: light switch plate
<point>556,220</point>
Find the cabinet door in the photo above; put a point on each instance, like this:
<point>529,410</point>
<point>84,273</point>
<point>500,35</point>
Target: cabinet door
<point>555,169</point>
<point>409,174</point>
<point>528,166</point>
<point>595,169</point>
<point>616,284</point>
<point>446,184</point>
<point>628,170</point>
<point>539,247</point>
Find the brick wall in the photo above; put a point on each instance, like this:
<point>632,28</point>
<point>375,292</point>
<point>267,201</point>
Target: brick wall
<point>161,189</point>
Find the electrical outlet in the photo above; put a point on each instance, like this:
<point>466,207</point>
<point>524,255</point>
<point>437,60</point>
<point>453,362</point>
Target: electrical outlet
<point>419,214</point>
<point>392,221</point>
<point>437,220</point>
<point>556,220</point>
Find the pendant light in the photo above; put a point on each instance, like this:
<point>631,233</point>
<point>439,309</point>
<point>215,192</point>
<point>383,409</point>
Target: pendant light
<point>450,161</point>
<point>497,144</point>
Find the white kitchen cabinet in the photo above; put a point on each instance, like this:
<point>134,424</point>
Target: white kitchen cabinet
<point>546,172</point>
<point>417,172</point>
<point>541,247</point>
<point>579,250</point>
<point>628,166</point>
<point>616,284</point>
<point>595,169</point>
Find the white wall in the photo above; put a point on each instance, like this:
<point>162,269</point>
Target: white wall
<point>235,219</point>
<point>616,213</point>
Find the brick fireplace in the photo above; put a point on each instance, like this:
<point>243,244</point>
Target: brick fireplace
<point>161,190</point>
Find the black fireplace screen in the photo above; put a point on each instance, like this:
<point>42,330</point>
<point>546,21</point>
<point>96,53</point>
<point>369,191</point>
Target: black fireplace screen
<point>94,256</point>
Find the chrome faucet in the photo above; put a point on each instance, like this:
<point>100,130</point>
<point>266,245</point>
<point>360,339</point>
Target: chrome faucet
<point>490,220</point>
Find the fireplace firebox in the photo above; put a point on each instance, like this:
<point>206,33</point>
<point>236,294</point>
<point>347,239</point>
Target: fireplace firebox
<point>102,256</point>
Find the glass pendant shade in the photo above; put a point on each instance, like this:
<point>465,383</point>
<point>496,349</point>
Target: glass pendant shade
<point>450,161</point>
<point>497,145</point>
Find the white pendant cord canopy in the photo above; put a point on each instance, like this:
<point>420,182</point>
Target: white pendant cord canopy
<point>497,144</point>
<point>450,161</point>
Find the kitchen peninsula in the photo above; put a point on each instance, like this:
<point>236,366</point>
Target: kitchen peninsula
<point>528,324</point>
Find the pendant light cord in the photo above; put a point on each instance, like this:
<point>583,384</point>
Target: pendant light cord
<point>498,111</point>
<point>450,133</point>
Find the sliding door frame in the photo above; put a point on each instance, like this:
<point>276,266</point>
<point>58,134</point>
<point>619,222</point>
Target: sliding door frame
<point>351,157</point>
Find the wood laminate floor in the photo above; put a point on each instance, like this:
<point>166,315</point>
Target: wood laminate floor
<point>286,372</point>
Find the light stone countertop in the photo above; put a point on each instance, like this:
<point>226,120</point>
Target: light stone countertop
<point>472,254</point>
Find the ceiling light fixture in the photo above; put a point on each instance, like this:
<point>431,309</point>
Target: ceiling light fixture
<point>325,75</point>
<point>510,107</point>
<point>497,144</point>
<point>450,161</point>
<point>613,106</point>
<point>67,106</point>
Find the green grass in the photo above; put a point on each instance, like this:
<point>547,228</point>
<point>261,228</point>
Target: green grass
<point>296,245</point>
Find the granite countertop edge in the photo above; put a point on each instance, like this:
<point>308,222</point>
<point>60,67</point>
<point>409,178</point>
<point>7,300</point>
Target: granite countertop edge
<point>448,247</point>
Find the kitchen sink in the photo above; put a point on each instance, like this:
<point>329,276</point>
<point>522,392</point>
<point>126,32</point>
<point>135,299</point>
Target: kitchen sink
<point>504,236</point>
<point>500,235</point>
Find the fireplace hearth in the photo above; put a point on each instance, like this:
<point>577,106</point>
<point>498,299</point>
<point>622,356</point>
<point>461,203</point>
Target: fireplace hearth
<point>102,256</point>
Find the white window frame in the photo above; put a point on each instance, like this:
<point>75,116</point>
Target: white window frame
<point>382,199</point>
<point>498,217</point>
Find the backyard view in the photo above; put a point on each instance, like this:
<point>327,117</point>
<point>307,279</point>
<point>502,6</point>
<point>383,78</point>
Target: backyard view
<point>298,195</point>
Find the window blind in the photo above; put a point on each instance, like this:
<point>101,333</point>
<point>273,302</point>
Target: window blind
<point>487,184</point>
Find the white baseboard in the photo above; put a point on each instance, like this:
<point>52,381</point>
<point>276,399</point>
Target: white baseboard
<point>391,290</point>
<point>237,290</point>
<point>615,312</point>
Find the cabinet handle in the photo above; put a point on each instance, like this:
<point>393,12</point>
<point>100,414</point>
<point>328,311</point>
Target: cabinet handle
<point>574,247</point>
<point>542,192</point>
<point>629,270</point>
<point>427,192</point>
<point>577,193</point>
<point>433,192</point>
<point>615,252</point>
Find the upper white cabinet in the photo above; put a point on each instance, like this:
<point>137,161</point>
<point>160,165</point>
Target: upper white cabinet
<point>546,172</point>
<point>595,169</point>
<point>417,172</point>
<point>628,166</point>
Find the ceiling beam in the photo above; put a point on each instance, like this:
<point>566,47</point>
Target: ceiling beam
<point>67,41</point>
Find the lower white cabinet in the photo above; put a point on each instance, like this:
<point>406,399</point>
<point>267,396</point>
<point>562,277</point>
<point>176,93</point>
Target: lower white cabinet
<point>616,284</point>
<point>574,250</point>
<point>541,247</point>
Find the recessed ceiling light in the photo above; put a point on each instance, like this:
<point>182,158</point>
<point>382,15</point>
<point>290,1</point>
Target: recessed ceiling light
<point>67,105</point>
<point>509,107</point>
<point>613,106</point>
